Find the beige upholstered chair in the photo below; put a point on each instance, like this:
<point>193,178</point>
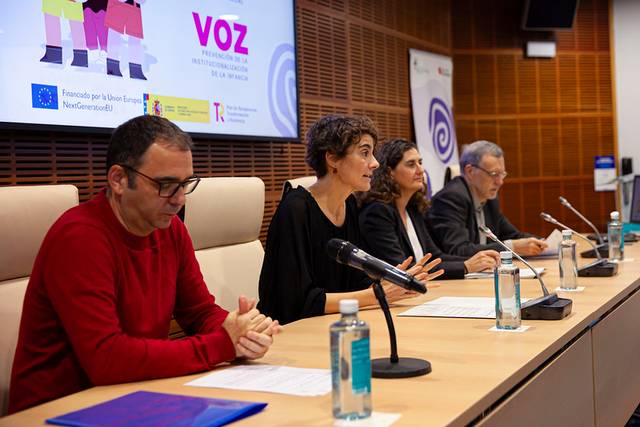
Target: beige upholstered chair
<point>304,182</point>
<point>26,214</point>
<point>224,216</point>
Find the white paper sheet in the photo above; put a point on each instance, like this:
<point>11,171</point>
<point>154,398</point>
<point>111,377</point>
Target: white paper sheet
<point>553,240</point>
<point>624,260</point>
<point>463,307</point>
<point>269,378</point>
<point>525,273</point>
<point>522,328</point>
<point>377,419</point>
<point>578,289</point>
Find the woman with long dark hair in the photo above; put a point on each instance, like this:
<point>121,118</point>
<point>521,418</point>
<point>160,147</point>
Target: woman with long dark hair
<point>392,217</point>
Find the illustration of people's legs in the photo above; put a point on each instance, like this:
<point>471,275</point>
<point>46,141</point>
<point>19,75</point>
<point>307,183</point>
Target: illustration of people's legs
<point>95,32</point>
<point>113,53</point>
<point>135,58</point>
<point>53,52</point>
<point>79,44</point>
<point>53,11</point>
<point>124,17</point>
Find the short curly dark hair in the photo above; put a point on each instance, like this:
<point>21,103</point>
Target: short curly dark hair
<point>334,134</point>
<point>383,187</point>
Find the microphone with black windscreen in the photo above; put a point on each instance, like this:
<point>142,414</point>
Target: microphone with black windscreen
<point>349,254</point>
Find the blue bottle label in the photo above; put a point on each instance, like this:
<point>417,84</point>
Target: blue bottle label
<point>360,366</point>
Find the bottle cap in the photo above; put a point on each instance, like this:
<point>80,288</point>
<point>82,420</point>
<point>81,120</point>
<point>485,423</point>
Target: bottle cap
<point>615,215</point>
<point>506,255</point>
<point>348,306</point>
<point>566,234</point>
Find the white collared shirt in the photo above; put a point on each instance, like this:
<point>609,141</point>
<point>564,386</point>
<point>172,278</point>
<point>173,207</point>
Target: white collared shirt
<point>418,253</point>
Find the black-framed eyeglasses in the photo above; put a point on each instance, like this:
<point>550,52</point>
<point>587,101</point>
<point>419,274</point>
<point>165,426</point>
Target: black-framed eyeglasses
<point>168,189</point>
<point>493,174</point>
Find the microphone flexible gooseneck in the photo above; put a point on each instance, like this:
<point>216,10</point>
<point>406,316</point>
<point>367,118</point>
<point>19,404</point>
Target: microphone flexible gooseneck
<point>545,216</point>
<point>599,268</point>
<point>564,202</point>
<point>493,237</point>
<point>393,366</point>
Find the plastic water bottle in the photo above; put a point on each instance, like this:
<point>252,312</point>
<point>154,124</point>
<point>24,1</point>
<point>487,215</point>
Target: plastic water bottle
<point>350,364</point>
<point>616,239</point>
<point>506,278</point>
<point>567,261</point>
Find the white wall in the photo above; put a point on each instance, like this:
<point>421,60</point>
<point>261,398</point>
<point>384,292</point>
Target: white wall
<point>626,42</point>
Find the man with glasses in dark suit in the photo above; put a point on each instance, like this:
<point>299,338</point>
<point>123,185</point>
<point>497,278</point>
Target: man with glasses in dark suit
<point>112,272</point>
<point>470,201</point>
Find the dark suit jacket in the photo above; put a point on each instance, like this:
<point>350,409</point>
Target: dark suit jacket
<point>452,221</point>
<point>384,236</point>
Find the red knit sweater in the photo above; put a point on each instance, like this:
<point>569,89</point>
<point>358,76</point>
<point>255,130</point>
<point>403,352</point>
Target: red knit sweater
<point>98,306</point>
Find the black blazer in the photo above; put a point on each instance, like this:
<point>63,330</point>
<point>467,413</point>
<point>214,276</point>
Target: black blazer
<point>384,236</point>
<point>452,221</point>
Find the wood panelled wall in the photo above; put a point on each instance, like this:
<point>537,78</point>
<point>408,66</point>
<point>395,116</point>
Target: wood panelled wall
<point>352,58</point>
<point>551,116</point>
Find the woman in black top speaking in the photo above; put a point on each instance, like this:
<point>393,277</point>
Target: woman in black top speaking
<point>298,278</point>
<point>391,219</point>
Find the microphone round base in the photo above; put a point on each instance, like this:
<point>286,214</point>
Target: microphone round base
<point>405,367</point>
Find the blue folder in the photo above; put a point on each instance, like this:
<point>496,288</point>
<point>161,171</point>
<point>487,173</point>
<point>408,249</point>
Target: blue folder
<point>144,408</point>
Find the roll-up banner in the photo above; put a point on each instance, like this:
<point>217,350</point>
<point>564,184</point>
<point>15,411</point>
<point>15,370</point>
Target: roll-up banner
<point>432,101</point>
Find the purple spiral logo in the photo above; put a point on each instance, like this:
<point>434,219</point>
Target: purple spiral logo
<point>440,125</point>
<point>282,90</point>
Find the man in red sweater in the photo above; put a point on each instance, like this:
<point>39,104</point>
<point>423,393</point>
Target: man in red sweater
<point>111,273</point>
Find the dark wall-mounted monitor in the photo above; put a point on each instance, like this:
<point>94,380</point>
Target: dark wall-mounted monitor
<point>224,68</point>
<point>549,15</point>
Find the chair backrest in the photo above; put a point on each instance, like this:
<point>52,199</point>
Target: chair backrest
<point>304,182</point>
<point>26,214</point>
<point>224,216</point>
<point>451,172</point>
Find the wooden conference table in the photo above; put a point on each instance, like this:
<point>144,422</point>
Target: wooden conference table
<point>582,370</point>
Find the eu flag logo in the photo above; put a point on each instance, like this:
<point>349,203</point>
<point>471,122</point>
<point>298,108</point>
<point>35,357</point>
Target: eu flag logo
<point>44,96</point>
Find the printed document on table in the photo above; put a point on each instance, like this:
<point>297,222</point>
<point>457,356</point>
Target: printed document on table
<point>553,240</point>
<point>525,273</point>
<point>463,307</point>
<point>269,378</point>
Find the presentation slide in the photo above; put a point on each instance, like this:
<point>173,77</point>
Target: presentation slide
<point>223,67</point>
